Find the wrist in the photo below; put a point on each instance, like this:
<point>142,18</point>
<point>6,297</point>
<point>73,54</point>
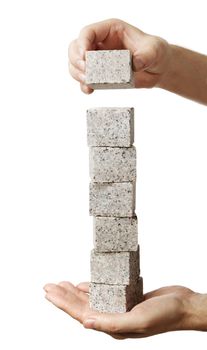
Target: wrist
<point>169,74</point>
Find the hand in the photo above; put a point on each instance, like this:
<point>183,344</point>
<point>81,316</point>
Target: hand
<point>165,309</point>
<point>151,54</point>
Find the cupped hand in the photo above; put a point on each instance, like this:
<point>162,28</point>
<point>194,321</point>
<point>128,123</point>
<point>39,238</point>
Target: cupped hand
<point>151,54</point>
<point>165,309</point>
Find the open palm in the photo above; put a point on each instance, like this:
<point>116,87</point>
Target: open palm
<point>161,311</point>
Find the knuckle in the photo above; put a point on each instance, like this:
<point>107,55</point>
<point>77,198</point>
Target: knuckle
<point>115,20</point>
<point>62,283</point>
<point>112,21</point>
<point>85,29</point>
<point>161,43</point>
<point>71,47</point>
<point>73,72</point>
<point>159,46</point>
<point>70,68</point>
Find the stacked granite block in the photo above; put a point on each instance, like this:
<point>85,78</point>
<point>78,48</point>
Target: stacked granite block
<point>109,69</point>
<point>116,285</point>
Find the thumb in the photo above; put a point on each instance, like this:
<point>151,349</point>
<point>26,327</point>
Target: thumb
<point>111,323</point>
<point>142,59</point>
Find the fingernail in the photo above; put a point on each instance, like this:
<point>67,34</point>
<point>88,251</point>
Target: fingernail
<point>46,288</point>
<point>89,323</point>
<point>81,64</point>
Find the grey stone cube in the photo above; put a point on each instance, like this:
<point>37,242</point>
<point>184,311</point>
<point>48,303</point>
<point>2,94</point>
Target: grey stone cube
<point>115,268</point>
<point>113,234</point>
<point>115,298</point>
<point>112,164</point>
<point>109,69</point>
<point>112,199</point>
<point>111,126</point>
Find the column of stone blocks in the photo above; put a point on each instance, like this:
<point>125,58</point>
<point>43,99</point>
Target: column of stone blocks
<point>116,285</point>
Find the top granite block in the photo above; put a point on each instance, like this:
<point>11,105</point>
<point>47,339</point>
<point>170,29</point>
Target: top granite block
<point>110,126</point>
<point>109,69</point>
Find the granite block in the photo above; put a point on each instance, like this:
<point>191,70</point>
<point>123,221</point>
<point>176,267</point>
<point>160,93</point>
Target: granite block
<point>112,164</point>
<point>115,298</point>
<point>112,199</point>
<point>109,69</point>
<point>110,126</point>
<point>113,234</point>
<point>115,268</point>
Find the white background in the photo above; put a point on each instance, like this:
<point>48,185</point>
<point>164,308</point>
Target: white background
<point>45,229</point>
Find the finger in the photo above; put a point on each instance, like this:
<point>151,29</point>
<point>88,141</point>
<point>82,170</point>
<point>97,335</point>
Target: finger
<point>149,55</point>
<point>144,58</point>
<point>145,79</point>
<point>160,291</point>
<point>164,291</point>
<point>112,323</point>
<point>94,33</point>
<point>108,35</point>
<point>49,286</point>
<point>66,301</point>
<point>112,42</point>
<point>76,55</point>
<point>77,74</point>
<point>86,89</point>
<point>83,286</point>
<point>68,286</point>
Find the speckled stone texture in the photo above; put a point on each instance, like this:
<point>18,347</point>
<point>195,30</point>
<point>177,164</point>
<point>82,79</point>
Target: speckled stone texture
<point>112,164</point>
<point>115,234</point>
<point>115,268</point>
<point>110,126</point>
<point>115,298</point>
<point>109,69</point>
<point>112,199</point>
